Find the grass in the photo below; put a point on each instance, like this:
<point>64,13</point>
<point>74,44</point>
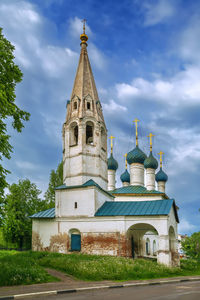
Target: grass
<point>19,268</point>
<point>28,267</point>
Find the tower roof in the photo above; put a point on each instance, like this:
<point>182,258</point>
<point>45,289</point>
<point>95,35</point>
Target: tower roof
<point>84,83</point>
<point>84,90</point>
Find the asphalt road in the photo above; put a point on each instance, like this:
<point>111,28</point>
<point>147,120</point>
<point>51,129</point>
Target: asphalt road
<point>177,291</point>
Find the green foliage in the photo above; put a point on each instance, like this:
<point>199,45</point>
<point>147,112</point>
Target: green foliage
<point>21,268</point>
<point>191,245</point>
<point>21,202</point>
<point>56,179</point>
<point>10,75</point>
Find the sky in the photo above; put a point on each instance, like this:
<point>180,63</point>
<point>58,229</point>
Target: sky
<point>145,57</point>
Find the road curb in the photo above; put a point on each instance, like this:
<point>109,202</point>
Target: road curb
<point>67,291</point>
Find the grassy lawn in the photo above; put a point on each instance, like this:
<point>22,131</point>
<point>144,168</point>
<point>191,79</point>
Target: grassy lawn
<point>20,268</point>
<point>27,267</point>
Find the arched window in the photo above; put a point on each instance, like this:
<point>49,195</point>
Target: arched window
<point>89,133</point>
<point>73,134</point>
<point>88,105</point>
<point>147,246</point>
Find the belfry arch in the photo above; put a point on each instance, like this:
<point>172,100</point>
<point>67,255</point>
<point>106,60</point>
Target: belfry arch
<point>73,134</point>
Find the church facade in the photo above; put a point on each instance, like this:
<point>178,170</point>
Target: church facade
<point>91,215</point>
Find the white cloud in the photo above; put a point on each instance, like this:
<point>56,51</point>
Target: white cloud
<point>112,106</point>
<point>183,88</point>
<point>158,12</point>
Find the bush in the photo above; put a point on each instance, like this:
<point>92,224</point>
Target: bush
<point>191,246</point>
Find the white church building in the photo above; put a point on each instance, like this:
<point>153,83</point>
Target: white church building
<point>91,215</point>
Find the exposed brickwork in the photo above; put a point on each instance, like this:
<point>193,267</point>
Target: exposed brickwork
<point>175,259</point>
<point>59,243</point>
<point>105,244</point>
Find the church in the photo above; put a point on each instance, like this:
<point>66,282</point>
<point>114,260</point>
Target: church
<point>91,215</point>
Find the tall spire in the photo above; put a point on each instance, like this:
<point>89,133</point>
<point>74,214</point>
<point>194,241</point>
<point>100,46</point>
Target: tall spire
<point>84,84</point>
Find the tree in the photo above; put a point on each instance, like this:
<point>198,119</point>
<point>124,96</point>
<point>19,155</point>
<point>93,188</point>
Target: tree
<point>21,202</point>
<point>191,245</point>
<point>56,179</point>
<point>10,75</point>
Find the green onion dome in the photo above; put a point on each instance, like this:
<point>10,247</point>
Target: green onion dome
<point>161,176</point>
<point>112,163</point>
<point>136,156</point>
<point>150,162</point>
<point>125,177</point>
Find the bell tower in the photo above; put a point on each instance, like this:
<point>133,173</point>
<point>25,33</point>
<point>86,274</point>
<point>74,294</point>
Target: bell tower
<point>84,130</point>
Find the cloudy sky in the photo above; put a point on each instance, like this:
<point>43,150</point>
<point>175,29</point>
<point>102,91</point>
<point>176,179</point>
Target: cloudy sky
<point>145,57</point>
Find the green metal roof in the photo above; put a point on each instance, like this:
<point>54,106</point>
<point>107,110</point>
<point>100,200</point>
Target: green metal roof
<point>45,214</point>
<point>90,182</point>
<point>136,208</point>
<point>134,189</point>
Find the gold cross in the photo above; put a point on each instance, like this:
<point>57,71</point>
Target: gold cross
<point>136,130</point>
<point>83,21</point>
<point>161,154</point>
<point>150,136</point>
<point>125,155</point>
<point>111,137</point>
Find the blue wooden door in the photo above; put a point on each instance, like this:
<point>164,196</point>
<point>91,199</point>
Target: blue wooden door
<point>75,242</point>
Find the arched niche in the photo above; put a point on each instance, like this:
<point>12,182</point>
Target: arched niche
<point>73,134</point>
<point>89,133</point>
<point>148,246</point>
<point>154,247</point>
<point>172,239</point>
<point>103,138</point>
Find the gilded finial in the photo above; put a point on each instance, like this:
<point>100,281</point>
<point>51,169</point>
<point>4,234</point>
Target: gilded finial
<point>161,154</point>
<point>150,137</point>
<point>111,143</point>
<point>125,155</point>
<point>136,130</point>
<point>83,36</point>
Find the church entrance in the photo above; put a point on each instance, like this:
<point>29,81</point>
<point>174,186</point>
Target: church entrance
<point>143,240</point>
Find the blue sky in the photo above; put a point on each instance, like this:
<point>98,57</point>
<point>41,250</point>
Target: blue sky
<point>145,57</point>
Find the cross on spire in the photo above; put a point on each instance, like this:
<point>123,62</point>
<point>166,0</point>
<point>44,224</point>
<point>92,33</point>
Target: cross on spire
<point>150,137</point>
<point>111,143</point>
<point>136,130</point>
<point>125,155</point>
<point>84,21</point>
<point>161,154</point>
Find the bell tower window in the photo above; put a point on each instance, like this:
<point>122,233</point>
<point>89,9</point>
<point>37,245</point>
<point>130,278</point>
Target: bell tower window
<point>88,105</point>
<point>75,105</point>
<point>89,133</point>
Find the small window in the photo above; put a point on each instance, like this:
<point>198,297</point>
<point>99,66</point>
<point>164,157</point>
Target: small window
<point>75,205</point>
<point>88,105</point>
<point>75,105</point>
